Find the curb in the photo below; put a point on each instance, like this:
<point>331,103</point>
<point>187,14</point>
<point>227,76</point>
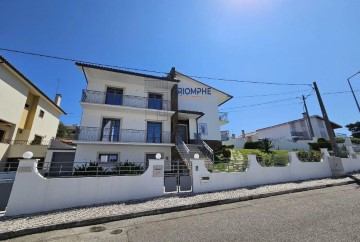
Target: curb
<point>88,222</point>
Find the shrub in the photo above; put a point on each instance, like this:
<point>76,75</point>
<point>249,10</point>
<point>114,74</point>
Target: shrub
<point>227,147</point>
<point>226,153</point>
<point>320,140</point>
<point>311,156</point>
<point>90,169</point>
<point>318,145</point>
<point>266,145</point>
<point>127,168</point>
<point>252,145</point>
<point>355,140</point>
<point>340,140</point>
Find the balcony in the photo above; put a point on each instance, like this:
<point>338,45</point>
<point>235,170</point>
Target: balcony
<point>90,96</point>
<point>223,118</point>
<point>121,135</point>
<point>297,134</point>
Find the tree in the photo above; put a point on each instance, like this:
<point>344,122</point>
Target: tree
<point>266,145</point>
<point>61,131</point>
<point>354,128</point>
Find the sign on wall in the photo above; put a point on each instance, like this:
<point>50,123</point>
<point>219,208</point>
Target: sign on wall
<point>203,130</point>
<point>194,91</point>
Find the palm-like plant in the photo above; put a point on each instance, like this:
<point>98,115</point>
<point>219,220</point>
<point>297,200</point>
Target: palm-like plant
<point>266,145</point>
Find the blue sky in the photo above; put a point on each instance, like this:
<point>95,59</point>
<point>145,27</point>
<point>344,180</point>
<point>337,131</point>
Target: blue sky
<point>253,40</point>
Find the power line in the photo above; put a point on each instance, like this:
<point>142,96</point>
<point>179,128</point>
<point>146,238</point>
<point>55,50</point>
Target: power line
<point>76,60</point>
<point>258,104</point>
<point>151,71</point>
<point>272,94</point>
<point>284,105</point>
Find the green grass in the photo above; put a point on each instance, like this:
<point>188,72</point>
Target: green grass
<point>276,158</point>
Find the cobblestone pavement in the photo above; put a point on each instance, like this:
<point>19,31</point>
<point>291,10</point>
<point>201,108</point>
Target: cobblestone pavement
<point>91,212</point>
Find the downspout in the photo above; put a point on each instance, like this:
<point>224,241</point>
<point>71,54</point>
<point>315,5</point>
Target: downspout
<point>197,125</point>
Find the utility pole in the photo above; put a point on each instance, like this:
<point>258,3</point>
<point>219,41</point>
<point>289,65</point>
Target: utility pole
<point>327,123</point>
<point>356,101</point>
<point>308,118</point>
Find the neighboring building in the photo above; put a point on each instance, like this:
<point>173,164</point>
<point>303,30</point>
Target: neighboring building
<point>294,130</point>
<point>27,115</point>
<point>132,116</point>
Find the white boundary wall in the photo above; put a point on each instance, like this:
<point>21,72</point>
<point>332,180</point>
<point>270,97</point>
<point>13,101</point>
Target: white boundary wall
<point>32,193</point>
<point>353,163</point>
<point>281,144</point>
<point>204,181</point>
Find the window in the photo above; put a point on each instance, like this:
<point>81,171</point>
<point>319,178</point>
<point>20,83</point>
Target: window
<point>2,135</point>
<point>108,157</point>
<point>37,140</point>
<point>110,130</point>
<point>153,132</point>
<point>27,106</point>
<point>41,114</point>
<point>155,101</point>
<point>114,96</point>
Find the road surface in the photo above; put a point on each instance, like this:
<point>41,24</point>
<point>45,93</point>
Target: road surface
<point>331,214</point>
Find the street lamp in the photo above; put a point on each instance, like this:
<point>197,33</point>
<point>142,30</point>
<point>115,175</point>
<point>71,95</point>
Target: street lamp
<point>357,104</point>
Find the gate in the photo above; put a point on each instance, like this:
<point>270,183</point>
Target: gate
<point>177,177</point>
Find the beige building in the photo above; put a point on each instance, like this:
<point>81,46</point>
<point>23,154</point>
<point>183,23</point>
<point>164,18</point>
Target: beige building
<point>27,115</point>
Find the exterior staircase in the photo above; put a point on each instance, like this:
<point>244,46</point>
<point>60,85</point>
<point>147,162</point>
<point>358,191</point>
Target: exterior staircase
<point>193,149</point>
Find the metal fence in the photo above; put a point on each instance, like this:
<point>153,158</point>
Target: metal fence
<point>99,97</point>
<point>26,142</point>
<point>71,169</point>
<point>121,135</point>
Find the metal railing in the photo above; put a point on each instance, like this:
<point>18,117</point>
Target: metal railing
<point>91,96</point>
<point>208,152</point>
<point>184,150</point>
<point>71,169</point>
<point>295,133</point>
<point>121,135</point>
<point>223,116</point>
<point>25,142</point>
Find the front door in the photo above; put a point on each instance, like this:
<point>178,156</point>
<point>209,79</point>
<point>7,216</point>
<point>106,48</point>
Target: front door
<point>183,132</point>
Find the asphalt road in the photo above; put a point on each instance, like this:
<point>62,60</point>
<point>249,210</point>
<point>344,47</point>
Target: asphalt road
<point>331,214</point>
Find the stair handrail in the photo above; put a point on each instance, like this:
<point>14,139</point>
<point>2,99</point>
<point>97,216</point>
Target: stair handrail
<point>184,147</point>
<point>208,151</point>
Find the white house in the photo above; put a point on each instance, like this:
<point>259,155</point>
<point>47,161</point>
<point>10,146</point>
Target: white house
<point>132,116</point>
<point>27,115</point>
<point>298,129</point>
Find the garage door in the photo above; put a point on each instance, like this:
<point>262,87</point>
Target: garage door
<point>62,164</point>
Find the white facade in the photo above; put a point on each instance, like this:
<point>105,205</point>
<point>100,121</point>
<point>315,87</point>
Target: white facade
<point>297,129</point>
<point>196,96</point>
<point>26,113</point>
<point>131,116</point>
<point>129,109</point>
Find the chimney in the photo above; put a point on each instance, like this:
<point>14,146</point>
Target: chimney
<point>304,115</point>
<point>233,136</point>
<point>242,133</point>
<point>58,99</point>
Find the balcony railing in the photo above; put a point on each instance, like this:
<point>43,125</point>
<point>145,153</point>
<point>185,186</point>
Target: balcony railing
<point>223,116</point>
<point>121,135</point>
<point>90,96</point>
<point>299,134</point>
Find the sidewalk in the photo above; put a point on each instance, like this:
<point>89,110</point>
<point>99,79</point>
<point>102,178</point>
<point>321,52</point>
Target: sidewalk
<point>61,219</point>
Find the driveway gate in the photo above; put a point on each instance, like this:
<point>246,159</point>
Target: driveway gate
<point>177,177</point>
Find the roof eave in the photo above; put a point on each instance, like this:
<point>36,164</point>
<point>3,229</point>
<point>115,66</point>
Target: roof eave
<point>3,60</point>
